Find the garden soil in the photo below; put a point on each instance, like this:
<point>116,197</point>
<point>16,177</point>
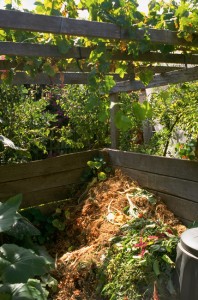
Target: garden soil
<point>81,248</point>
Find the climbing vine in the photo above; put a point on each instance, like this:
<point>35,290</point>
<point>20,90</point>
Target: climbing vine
<point>180,17</point>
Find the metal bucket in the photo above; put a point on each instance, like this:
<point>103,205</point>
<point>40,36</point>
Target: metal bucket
<point>187,265</point>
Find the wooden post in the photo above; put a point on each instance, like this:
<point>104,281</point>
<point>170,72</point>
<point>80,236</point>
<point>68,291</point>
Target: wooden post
<point>147,127</point>
<point>114,132</point>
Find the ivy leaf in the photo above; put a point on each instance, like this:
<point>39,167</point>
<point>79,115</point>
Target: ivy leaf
<point>146,76</point>
<point>122,122</point>
<point>47,68</point>
<point>148,109</point>
<point>121,72</point>
<point>139,111</point>
<point>142,111</point>
<point>108,83</point>
<point>63,46</point>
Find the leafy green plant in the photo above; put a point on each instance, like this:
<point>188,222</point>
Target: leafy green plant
<point>187,150</point>
<point>25,122</point>
<point>98,168</point>
<point>22,269</point>
<point>88,118</point>
<point>47,225</point>
<point>143,254</point>
<point>175,108</point>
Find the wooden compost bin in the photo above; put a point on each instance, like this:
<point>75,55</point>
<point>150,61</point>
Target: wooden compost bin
<point>50,180</point>
<point>44,181</point>
<point>174,180</point>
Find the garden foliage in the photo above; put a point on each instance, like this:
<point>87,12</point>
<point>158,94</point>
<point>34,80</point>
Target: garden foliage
<point>141,256</point>
<point>24,267</point>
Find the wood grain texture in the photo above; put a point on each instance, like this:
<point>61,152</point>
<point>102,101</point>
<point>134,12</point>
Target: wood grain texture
<point>50,166</point>
<point>42,50</point>
<point>173,186</point>
<point>158,80</point>
<point>60,25</point>
<point>183,208</point>
<point>39,183</point>
<point>54,194</point>
<point>176,168</point>
<point>45,50</point>
<point>122,86</point>
<point>59,78</point>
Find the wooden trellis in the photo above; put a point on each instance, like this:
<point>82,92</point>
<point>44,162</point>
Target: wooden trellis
<point>17,20</point>
<point>170,68</point>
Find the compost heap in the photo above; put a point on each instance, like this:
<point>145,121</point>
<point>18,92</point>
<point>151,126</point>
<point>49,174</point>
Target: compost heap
<point>91,224</point>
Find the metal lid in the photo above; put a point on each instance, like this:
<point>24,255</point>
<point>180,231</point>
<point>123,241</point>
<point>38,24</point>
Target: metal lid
<point>189,241</point>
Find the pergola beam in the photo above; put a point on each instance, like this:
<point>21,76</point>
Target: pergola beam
<point>158,80</point>
<point>17,20</point>
<point>44,50</point>
<point>178,76</point>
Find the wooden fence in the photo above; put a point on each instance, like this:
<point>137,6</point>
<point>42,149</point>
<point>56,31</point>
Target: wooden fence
<point>40,182</point>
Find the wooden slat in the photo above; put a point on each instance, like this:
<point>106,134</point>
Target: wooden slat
<point>39,183</point>
<point>45,50</point>
<point>46,196</point>
<point>58,79</point>
<point>73,67</point>
<point>158,80</point>
<point>42,78</point>
<point>121,86</point>
<point>173,186</point>
<point>175,58</point>
<point>42,50</point>
<point>182,208</point>
<point>177,168</point>
<point>114,132</point>
<point>60,25</point>
<point>64,163</point>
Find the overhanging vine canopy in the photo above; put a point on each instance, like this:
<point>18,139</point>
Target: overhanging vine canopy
<point>52,45</point>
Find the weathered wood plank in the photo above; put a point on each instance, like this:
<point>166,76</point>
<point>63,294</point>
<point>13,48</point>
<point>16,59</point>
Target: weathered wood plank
<point>73,67</point>
<point>60,25</point>
<point>37,184</point>
<point>64,163</point>
<point>158,80</point>
<point>182,208</point>
<point>45,50</point>
<point>114,132</point>
<point>173,186</point>
<point>41,197</point>
<point>121,86</point>
<point>176,168</point>
<point>59,78</point>
<point>175,58</point>
<point>42,50</point>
